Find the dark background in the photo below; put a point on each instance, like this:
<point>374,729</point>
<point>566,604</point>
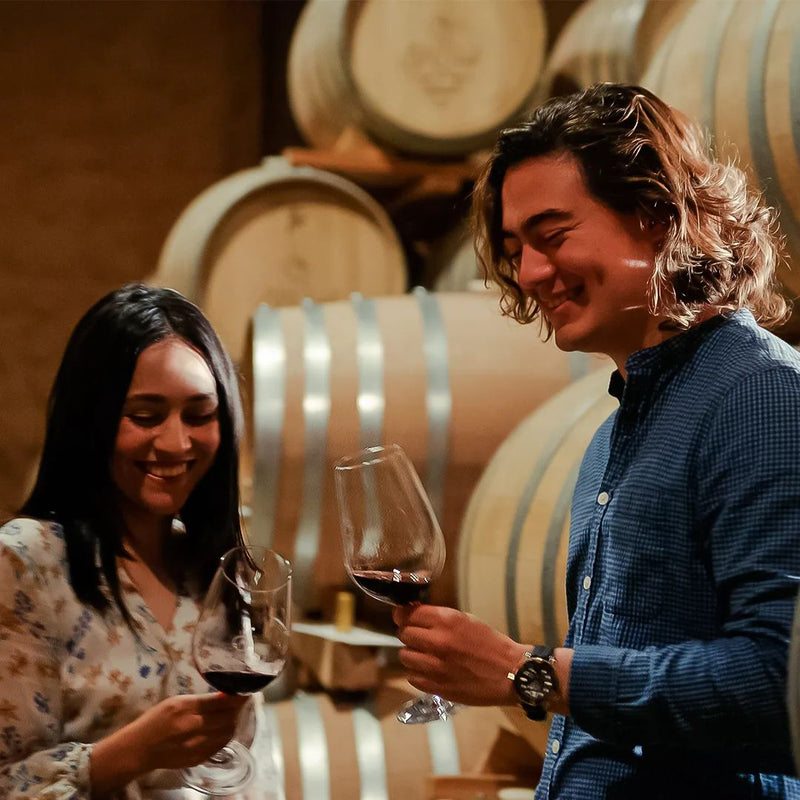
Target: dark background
<point>113,117</point>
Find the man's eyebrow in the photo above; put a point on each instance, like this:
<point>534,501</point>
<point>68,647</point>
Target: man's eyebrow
<point>548,215</point>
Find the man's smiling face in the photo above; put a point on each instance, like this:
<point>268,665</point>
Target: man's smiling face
<point>587,266</point>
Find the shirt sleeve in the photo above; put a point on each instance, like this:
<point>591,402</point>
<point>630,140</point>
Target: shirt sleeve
<point>34,763</point>
<point>729,691</point>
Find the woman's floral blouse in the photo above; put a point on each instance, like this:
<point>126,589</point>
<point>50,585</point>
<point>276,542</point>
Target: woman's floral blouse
<point>69,675</point>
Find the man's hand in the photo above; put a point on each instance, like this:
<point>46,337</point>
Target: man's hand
<point>450,653</point>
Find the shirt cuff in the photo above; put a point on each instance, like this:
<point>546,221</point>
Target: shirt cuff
<point>594,689</point>
<point>80,758</point>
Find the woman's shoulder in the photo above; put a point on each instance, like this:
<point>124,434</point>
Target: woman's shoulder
<point>33,543</point>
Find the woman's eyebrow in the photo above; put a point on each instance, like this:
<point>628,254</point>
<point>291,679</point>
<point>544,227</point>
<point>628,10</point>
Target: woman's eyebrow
<point>150,397</point>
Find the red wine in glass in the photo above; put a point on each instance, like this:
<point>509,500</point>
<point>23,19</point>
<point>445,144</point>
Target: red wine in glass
<point>393,585</point>
<point>237,682</point>
<point>393,545</point>
<point>240,645</point>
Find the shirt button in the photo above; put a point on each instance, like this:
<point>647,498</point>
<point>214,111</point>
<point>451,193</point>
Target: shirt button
<point>587,582</point>
<point>602,498</point>
<point>555,747</point>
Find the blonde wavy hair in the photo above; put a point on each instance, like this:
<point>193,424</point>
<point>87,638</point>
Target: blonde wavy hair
<point>639,156</point>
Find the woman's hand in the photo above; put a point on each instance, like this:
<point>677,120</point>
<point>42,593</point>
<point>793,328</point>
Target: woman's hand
<point>179,732</point>
<point>452,654</point>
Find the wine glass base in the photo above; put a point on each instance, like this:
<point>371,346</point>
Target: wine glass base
<point>226,772</point>
<point>429,708</point>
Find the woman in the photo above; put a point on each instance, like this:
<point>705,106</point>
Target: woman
<point>135,501</point>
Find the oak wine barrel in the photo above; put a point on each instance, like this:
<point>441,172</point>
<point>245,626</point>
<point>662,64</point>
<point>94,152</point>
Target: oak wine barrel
<point>452,264</point>
<point>443,375</point>
<point>328,750</point>
<point>276,234</point>
<point>420,77</point>
<point>607,40</point>
<point>513,545</point>
<point>732,66</point>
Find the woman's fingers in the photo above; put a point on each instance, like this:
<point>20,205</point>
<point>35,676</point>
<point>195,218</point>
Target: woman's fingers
<point>217,714</point>
<point>219,703</point>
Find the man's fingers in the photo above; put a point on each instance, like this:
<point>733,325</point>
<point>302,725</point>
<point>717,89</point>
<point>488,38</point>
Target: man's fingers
<point>429,640</point>
<point>424,663</point>
<point>424,684</point>
<point>423,616</point>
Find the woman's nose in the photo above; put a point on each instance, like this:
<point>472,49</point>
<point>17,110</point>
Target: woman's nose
<point>173,436</point>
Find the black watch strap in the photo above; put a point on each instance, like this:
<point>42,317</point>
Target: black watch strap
<point>538,712</point>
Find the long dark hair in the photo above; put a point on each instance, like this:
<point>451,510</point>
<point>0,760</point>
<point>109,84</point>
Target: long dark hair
<point>74,486</point>
<point>639,156</point>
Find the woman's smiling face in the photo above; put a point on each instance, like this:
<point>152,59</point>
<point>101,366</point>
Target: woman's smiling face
<point>168,434</point>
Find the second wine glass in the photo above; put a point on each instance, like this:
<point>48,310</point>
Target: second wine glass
<point>240,645</point>
<point>393,545</point>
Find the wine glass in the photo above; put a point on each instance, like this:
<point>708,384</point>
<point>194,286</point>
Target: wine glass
<point>240,645</point>
<point>393,545</point>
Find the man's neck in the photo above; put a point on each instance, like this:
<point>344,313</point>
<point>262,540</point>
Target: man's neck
<point>657,333</point>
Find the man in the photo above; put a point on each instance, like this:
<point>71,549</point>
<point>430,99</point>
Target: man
<point>603,217</point>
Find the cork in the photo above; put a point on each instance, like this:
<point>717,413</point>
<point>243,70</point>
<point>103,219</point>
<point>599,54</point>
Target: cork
<point>344,613</point>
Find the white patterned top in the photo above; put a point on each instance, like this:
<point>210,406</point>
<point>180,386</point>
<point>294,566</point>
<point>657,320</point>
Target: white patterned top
<point>70,676</point>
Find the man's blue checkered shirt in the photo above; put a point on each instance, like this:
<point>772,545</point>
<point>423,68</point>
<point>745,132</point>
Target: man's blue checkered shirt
<point>682,574</point>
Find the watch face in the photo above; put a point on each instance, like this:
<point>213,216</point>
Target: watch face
<point>534,680</point>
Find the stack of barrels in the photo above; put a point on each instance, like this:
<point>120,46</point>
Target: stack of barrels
<point>304,274</point>
<point>731,65</point>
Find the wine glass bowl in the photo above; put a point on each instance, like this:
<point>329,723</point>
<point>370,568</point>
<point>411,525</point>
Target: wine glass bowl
<point>240,645</point>
<point>393,545</point>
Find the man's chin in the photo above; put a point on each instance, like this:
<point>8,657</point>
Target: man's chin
<point>566,340</point>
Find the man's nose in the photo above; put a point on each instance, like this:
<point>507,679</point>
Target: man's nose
<point>534,268</point>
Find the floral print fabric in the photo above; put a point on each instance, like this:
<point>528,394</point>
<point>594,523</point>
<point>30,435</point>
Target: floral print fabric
<point>69,675</point>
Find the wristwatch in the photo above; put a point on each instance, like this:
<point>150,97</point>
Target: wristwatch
<point>534,681</point>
